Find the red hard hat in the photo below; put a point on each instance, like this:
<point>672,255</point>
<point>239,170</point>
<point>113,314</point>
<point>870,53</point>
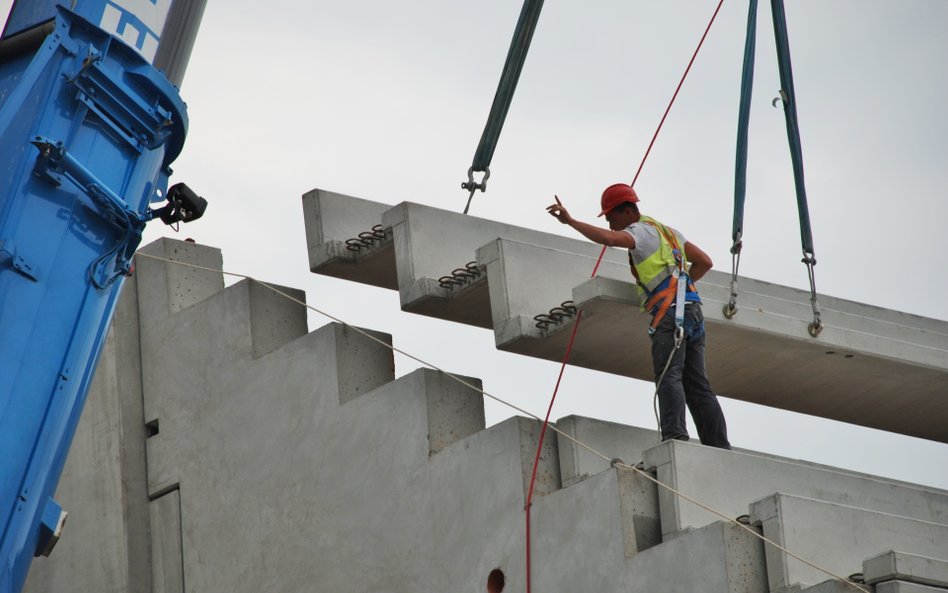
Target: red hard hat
<point>616,195</point>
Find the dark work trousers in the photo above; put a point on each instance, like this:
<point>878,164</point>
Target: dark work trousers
<point>686,382</point>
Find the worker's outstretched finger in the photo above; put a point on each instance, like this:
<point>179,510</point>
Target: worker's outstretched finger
<point>558,211</point>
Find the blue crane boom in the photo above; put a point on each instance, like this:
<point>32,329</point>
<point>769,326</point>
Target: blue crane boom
<point>89,125</point>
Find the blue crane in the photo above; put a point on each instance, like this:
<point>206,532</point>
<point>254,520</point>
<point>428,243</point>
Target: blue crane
<point>90,120</point>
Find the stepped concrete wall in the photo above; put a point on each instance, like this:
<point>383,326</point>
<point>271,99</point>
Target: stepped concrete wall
<point>692,470</point>
<point>838,537</point>
<point>900,566</point>
<point>225,448</point>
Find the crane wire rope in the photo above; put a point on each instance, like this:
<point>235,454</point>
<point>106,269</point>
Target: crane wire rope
<point>613,461</point>
<point>572,337</point>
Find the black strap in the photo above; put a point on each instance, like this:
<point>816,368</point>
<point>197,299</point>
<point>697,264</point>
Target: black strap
<point>516,56</point>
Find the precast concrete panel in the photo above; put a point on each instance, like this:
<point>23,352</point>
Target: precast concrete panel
<point>906,587</point>
<point>480,491</point>
<point>695,470</point>
<point>166,544</point>
<point>906,567</point>
<point>617,441</point>
<point>835,537</point>
<point>306,488</point>
<point>833,586</point>
<point>187,377</point>
<point>344,239</point>
<point>717,558</point>
<point>529,280</point>
<point>314,453</point>
<point>582,534</point>
<point>433,244</point>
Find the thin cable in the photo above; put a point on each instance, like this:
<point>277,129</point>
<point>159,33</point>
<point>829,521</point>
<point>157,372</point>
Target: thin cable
<point>560,432</point>
<point>658,384</point>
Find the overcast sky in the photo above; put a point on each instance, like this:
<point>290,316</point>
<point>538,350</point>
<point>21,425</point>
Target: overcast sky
<point>386,101</point>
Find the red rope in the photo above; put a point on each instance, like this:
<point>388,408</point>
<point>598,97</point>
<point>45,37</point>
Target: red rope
<point>678,88</point>
<point>546,420</point>
<point>579,316</point>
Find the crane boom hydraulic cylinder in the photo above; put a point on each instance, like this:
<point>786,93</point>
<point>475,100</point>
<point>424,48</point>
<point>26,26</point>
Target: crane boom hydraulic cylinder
<point>88,128</point>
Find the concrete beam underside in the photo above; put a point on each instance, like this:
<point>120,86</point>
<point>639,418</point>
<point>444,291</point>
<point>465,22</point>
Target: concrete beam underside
<point>869,366</point>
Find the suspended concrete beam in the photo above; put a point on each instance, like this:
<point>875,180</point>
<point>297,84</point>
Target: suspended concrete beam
<point>869,366</point>
<point>428,254</point>
<point>342,242</point>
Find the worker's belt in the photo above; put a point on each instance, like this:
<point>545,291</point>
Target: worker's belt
<point>663,299</point>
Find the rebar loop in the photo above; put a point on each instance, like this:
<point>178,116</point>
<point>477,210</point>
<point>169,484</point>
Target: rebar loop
<point>461,276</point>
<point>366,239</point>
<point>567,310</point>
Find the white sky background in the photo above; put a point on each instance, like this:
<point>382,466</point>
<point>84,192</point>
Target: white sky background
<point>387,100</point>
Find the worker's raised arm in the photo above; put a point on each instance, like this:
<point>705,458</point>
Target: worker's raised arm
<point>593,233</point>
<point>699,260</point>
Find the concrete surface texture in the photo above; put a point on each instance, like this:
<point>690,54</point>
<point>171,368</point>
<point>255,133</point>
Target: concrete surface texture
<point>839,536</point>
<point>692,469</point>
<point>226,448</point>
<point>866,367</point>
<point>900,566</point>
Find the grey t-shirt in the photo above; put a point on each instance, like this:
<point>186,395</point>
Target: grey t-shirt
<point>647,240</point>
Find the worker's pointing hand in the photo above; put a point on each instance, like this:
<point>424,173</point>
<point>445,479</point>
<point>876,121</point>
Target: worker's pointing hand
<point>559,212</point>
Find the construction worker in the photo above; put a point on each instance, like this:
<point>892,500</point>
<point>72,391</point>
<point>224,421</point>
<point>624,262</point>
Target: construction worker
<point>658,256</point>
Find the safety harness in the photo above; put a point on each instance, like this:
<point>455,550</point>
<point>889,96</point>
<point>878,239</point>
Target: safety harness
<point>677,286</point>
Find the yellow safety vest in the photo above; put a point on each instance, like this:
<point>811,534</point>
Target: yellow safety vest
<point>659,265</point>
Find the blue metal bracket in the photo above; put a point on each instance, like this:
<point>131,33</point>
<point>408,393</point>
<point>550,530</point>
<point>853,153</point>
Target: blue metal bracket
<point>54,164</point>
<point>51,528</point>
<point>141,125</point>
<point>17,262</point>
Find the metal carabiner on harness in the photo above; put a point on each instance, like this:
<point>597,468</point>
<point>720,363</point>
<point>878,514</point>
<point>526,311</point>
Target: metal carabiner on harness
<point>680,300</point>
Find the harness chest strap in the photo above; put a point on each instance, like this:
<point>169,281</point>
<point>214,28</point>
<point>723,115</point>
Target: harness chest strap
<point>664,298</point>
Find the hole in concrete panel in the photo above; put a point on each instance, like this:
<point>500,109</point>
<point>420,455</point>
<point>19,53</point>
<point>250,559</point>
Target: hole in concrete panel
<point>151,428</point>
<point>496,581</point>
<point>831,352</point>
<point>849,356</point>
